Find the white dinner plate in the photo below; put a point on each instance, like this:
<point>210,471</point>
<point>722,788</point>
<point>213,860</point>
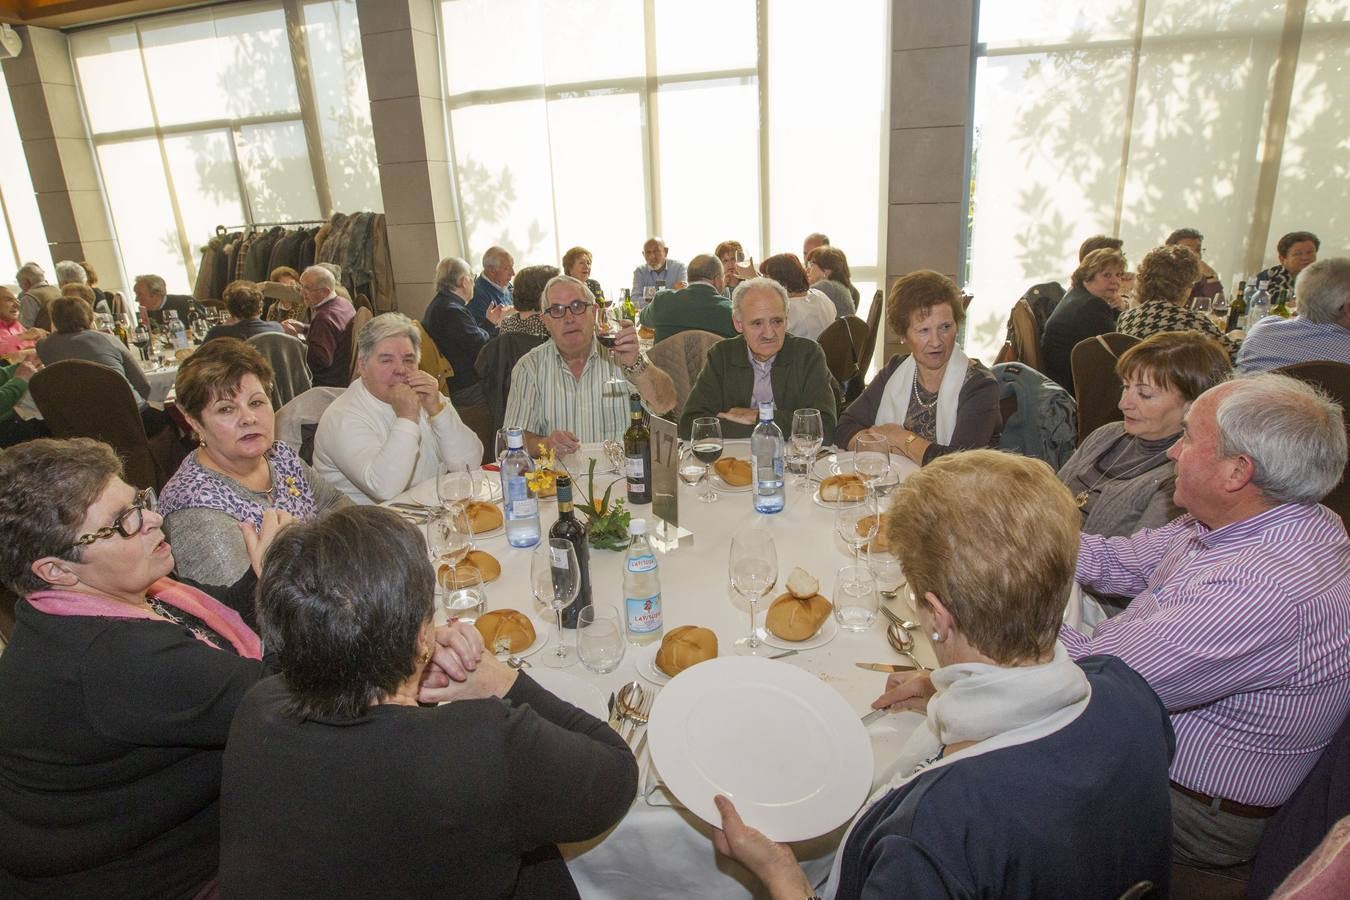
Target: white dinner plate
<point>566,686</point>
<point>784,746</point>
<point>828,631</point>
<point>740,449</point>
<point>841,463</point>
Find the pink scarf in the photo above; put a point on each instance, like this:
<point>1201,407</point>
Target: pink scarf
<point>219,617</point>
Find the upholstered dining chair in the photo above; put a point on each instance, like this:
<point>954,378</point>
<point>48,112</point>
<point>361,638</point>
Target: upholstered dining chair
<point>1334,378</point>
<point>1098,392</point>
<point>681,356</point>
<point>298,420</point>
<point>290,372</point>
<point>875,313</point>
<point>433,363</point>
<point>84,399</point>
<point>1026,336</point>
<point>363,315</point>
<point>844,341</point>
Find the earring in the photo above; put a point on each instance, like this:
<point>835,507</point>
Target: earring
<point>424,657</point>
<point>937,638</point>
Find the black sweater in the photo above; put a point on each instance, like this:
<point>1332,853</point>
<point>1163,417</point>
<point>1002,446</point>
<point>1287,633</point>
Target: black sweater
<point>467,799</point>
<point>1077,317</point>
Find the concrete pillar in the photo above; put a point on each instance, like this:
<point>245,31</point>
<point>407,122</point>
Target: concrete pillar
<point>60,154</point>
<point>403,77</point>
<point>931,54</point>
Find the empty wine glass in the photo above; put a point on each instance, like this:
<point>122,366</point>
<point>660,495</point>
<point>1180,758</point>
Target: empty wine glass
<point>450,535</point>
<point>857,522</point>
<point>705,437</point>
<point>462,593</point>
<point>600,639</point>
<point>807,435</point>
<point>754,572</point>
<point>871,457</point>
<point>455,486</point>
<point>555,578</point>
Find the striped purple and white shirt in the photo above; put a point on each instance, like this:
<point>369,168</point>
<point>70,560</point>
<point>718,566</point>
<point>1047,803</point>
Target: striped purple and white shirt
<point>1243,632</point>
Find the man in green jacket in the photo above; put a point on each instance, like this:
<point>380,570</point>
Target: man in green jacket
<point>763,362</point>
<point>700,306</point>
<point>13,385</point>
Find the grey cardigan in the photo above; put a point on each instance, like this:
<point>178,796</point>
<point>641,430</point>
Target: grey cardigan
<point>96,347</point>
<point>1121,506</point>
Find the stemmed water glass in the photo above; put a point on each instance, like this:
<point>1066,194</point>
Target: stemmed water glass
<point>857,522</point>
<point>555,578</point>
<point>455,486</point>
<point>754,572</point>
<point>705,439</point>
<point>450,535</point>
<point>807,435</point>
<point>871,458</point>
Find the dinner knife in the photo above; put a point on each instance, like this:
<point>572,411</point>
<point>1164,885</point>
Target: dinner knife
<point>884,667</point>
<point>874,715</point>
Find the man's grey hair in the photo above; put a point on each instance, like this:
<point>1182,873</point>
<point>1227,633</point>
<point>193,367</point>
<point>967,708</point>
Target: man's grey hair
<point>153,283</point>
<point>1323,289</point>
<point>494,257</point>
<point>70,272</point>
<point>658,240</point>
<point>1293,433</point>
<point>449,271</point>
<point>564,279</point>
<point>761,283</point>
<point>30,272</point>
<point>385,326</point>
<point>705,267</point>
<point>819,238</point>
<point>321,275</point>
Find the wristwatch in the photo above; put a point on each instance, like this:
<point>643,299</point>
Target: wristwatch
<point>636,369</point>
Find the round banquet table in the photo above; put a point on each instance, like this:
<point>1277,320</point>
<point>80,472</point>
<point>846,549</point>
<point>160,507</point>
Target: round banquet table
<point>660,849</point>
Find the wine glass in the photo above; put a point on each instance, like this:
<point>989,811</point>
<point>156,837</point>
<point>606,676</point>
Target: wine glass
<point>450,535</point>
<point>141,338</point>
<point>462,592</point>
<point>706,439</point>
<point>555,578</point>
<point>692,470</point>
<point>807,436</point>
<point>455,486</point>
<point>871,457</point>
<point>1218,311</point>
<point>1201,304</point>
<point>857,522</point>
<point>500,447</point>
<point>600,640</point>
<point>754,572</point>
<point>855,597</point>
<point>608,323</point>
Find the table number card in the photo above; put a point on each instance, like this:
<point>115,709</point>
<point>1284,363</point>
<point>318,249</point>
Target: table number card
<point>666,531</point>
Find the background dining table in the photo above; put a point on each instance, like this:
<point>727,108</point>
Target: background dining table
<point>659,849</point>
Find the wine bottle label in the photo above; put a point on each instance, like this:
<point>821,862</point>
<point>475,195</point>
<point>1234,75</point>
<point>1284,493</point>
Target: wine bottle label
<point>636,470</point>
<point>642,563</point>
<point>644,614</point>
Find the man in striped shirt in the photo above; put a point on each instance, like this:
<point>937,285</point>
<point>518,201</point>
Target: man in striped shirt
<point>1241,612</point>
<point>1321,331</point>
<point>569,390</point>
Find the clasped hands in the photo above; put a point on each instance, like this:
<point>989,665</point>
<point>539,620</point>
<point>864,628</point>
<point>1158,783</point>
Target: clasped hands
<point>420,390</point>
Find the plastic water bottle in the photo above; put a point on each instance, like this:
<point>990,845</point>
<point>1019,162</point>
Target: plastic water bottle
<point>178,335</point>
<point>1259,308</point>
<point>766,448</point>
<point>518,501</point>
<point>641,587</point>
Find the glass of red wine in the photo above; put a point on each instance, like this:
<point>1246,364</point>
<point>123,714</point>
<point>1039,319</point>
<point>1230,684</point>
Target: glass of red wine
<point>706,439</point>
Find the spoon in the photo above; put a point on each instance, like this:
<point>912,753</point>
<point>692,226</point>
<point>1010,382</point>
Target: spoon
<point>902,642</point>
<point>622,704</point>
<point>630,708</point>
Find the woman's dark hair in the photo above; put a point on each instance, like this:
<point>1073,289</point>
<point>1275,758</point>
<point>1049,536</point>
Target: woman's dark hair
<point>342,601</point>
<point>1296,237</point>
<point>528,286</point>
<point>215,370</point>
<point>787,270</point>
<point>834,264</point>
<point>915,295</point>
<point>243,299</point>
<point>1188,362</point>
<point>71,314</point>
<point>46,489</point>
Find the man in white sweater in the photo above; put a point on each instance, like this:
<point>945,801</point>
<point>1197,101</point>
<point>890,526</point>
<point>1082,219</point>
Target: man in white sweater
<point>391,429</point>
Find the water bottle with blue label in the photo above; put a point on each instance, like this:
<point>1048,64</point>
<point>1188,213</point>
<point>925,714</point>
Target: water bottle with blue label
<point>518,501</point>
<point>766,450</point>
<point>641,587</point>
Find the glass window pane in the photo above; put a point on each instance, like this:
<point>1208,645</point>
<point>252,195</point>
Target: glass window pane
<point>20,202</point>
<point>275,161</point>
<point>709,185</point>
<point>142,213</point>
<point>705,35</point>
<point>590,40</point>
<point>598,184</point>
<point>1178,18</point>
<point>825,133</point>
<point>108,64</point>
<point>343,106</point>
<point>505,185</point>
<point>1056,21</point>
<point>491,44</point>
<point>214,64</point>
<point>205,182</point>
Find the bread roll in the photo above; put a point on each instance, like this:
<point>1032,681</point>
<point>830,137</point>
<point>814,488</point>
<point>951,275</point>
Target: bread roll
<point>483,516</point>
<point>683,647</point>
<point>842,487</point>
<point>796,620</point>
<point>505,630</point>
<point>802,584</point>
<point>734,472</point>
<point>486,564</point>
<point>646,333</point>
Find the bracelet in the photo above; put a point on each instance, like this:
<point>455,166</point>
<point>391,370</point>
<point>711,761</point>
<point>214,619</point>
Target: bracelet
<point>636,369</point>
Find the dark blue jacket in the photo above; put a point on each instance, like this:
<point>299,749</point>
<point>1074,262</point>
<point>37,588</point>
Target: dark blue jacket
<point>458,337</point>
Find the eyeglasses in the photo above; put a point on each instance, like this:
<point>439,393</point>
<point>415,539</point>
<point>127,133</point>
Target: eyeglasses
<point>576,308</point>
<point>129,521</point>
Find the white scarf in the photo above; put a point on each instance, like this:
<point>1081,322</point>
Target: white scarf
<point>895,396</point>
<point>996,706</point>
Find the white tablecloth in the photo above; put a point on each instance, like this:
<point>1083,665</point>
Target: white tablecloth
<point>660,851</point>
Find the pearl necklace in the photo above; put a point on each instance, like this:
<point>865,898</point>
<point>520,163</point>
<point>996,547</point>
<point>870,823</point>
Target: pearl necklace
<point>919,400</point>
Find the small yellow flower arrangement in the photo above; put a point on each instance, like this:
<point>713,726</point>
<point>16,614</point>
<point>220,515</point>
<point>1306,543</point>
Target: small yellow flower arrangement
<point>543,481</point>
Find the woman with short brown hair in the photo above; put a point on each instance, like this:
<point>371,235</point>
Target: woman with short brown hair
<point>1090,308</point>
<point>244,300</point>
<point>827,270</point>
<point>809,311</point>
<point>1163,293</point>
<point>577,263</point>
<point>74,338</point>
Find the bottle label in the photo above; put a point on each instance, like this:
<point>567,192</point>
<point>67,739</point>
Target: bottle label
<point>559,558</point>
<point>644,614</point>
<point>524,509</point>
<point>636,470</point>
<point>519,504</point>
<point>639,564</point>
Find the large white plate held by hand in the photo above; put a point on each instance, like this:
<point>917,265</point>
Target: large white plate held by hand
<point>785,747</point>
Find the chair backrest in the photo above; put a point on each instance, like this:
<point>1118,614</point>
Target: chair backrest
<point>363,315</point>
<point>1026,335</point>
<point>296,421</point>
<point>1098,394</point>
<point>433,363</point>
<point>1334,378</point>
<point>84,399</point>
<point>874,316</point>
<point>843,341</point>
<point>286,355</point>
<point>681,356</point>
<point>494,364</point>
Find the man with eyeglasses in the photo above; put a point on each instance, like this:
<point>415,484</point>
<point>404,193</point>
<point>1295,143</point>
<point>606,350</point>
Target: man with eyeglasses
<point>568,390</point>
<point>328,335</point>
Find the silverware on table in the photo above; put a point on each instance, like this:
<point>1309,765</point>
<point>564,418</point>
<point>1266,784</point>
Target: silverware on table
<point>896,618</point>
<point>902,642</point>
<point>884,667</point>
<point>874,715</point>
<point>785,653</point>
<point>638,715</point>
<point>517,662</point>
<point>618,712</point>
